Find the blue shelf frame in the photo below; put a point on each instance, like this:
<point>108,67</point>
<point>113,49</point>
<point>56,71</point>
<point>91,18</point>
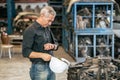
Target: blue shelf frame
<point>76,34</point>
<point>89,31</point>
<point>93,13</point>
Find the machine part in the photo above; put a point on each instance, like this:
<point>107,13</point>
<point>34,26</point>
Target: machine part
<point>102,69</point>
<point>23,20</point>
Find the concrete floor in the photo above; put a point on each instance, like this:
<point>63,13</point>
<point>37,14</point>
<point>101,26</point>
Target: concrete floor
<point>17,68</point>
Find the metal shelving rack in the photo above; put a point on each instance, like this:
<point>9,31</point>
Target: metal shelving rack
<point>58,22</point>
<point>92,31</point>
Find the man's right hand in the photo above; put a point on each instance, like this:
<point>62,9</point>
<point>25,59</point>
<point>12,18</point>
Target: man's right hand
<point>46,57</point>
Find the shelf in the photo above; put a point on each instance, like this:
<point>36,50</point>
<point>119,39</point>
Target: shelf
<point>94,31</point>
<point>93,42</point>
<point>91,31</point>
<point>93,15</point>
<point>3,19</point>
<point>58,22</point>
<point>56,4</point>
<point>29,1</point>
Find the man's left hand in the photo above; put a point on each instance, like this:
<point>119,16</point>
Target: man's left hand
<point>48,46</point>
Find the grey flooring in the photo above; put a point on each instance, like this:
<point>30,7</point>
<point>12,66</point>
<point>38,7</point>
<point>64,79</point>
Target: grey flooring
<point>17,68</point>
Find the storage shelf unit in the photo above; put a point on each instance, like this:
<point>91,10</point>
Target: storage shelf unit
<point>93,44</point>
<point>92,28</point>
<point>93,12</point>
<point>57,5</point>
<point>56,26</point>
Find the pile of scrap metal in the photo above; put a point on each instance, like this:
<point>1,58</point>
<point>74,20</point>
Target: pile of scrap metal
<point>99,68</point>
<point>83,49</point>
<point>117,62</point>
<point>85,41</point>
<point>117,44</point>
<point>23,20</point>
<point>83,23</point>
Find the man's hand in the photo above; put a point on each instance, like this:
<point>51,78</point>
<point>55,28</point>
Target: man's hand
<point>48,46</point>
<point>46,57</point>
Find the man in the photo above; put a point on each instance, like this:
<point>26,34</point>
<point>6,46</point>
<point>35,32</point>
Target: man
<point>39,43</point>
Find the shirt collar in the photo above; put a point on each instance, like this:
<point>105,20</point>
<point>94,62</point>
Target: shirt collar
<point>39,25</point>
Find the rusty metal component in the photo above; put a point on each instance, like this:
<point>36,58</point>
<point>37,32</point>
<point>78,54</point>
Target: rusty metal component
<point>100,68</point>
<point>23,20</point>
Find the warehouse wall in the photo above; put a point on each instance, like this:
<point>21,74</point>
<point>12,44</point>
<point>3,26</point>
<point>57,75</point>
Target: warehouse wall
<point>33,5</point>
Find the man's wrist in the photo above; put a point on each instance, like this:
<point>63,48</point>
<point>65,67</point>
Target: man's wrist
<point>55,46</point>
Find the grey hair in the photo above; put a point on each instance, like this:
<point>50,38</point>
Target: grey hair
<point>48,10</point>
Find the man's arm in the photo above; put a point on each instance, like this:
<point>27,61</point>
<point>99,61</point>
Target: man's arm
<point>55,42</point>
<point>44,56</point>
